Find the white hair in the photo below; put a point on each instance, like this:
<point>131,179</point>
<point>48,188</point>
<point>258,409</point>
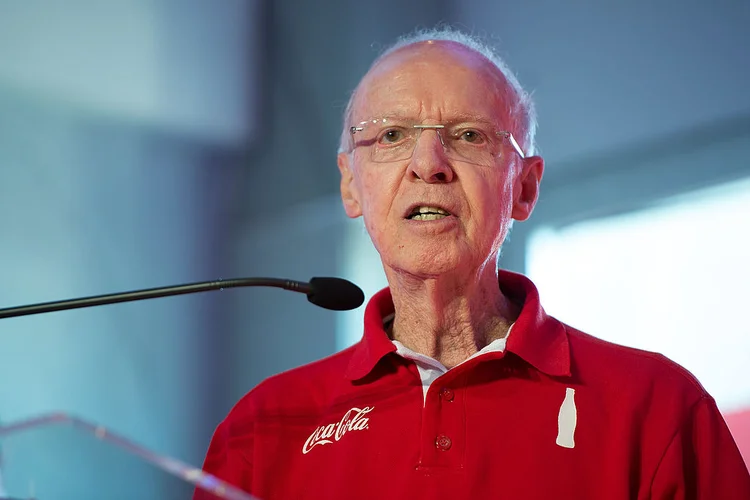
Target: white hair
<point>522,111</point>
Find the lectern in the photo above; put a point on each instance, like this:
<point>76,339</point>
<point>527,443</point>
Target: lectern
<point>62,457</point>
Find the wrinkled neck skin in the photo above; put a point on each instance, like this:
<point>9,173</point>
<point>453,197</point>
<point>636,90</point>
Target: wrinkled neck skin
<point>452,316</point>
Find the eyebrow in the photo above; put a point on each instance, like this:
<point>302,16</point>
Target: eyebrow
<point>469,117</point>
<point>456,118</point>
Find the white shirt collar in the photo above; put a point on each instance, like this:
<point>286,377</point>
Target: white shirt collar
<point>431,369</point>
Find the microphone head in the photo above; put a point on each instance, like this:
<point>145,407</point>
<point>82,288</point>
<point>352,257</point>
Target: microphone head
<point>335,293</point>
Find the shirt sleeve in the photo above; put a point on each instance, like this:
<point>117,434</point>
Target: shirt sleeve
<point>228,458</point>
<point>702,461</point>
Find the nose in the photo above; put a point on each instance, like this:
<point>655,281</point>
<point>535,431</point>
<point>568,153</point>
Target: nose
<point>428,161</point>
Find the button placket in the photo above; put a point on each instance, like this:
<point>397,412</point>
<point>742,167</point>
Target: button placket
<point>444,422</point>
<point>443,442</point>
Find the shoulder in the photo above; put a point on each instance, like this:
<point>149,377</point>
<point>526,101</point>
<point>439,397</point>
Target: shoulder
<point>626,371</point>
<point>298,391</point>
<point>641,395</point>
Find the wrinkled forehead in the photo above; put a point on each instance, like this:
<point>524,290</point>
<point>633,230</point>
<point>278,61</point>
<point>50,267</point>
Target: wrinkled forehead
<point>433,81</point>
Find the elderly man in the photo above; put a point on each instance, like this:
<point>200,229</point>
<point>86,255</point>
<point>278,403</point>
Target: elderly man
<point>462,386</point>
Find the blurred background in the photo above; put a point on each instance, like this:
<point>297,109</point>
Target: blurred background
<point>153,142</point>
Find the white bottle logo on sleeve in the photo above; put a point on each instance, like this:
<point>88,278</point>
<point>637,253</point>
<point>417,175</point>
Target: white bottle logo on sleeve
<point>567,420</point>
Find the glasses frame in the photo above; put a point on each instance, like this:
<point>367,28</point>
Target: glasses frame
<point>437,127</point>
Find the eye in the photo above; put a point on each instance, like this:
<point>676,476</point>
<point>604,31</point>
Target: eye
<point>472,136</point>
<point>391,136</point>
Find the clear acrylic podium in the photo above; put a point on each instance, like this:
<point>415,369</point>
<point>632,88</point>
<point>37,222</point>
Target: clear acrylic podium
<point>61,457</point>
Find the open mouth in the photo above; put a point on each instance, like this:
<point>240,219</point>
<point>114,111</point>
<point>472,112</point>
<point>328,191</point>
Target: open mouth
<point>426,213</point>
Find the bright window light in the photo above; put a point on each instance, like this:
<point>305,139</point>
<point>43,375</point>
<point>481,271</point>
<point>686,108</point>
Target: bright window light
<point>674,279</point>
<point>362,265</point>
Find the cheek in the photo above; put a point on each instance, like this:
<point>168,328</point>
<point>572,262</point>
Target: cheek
<point>370,202</point>
<point>491,196</point>
<point>504,197</point>
<point>377,191</point>
<point>376,200</point>
<point>491,207</point>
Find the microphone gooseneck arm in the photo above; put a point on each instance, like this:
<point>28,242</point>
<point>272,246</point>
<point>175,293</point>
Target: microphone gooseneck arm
<point>331,293</point>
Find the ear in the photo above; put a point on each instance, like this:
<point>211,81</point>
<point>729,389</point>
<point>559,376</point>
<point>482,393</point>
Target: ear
<point>526,187</point>
<point>349,194</point>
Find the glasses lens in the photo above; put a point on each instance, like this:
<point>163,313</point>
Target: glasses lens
<point>473,143</point>
<point>391,140</point>
<point>387,140</point>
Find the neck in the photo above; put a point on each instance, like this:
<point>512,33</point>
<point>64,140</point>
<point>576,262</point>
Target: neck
<point>450,318</point>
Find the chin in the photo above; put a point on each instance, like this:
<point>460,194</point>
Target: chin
<point>429,264</point>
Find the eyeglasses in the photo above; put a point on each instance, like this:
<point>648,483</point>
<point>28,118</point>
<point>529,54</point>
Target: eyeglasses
<point>390,140</point>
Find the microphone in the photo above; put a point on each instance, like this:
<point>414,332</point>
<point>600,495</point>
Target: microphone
<point>330,293</point>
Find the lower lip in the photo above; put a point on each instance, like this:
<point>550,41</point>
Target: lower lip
<point>433,226</point>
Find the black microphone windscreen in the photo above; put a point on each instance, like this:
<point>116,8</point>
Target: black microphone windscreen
<point>335,293</point>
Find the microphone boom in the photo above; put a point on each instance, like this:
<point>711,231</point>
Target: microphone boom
<point>330,293</point>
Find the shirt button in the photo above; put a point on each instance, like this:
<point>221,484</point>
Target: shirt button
<point>447,394</point>
<point>443,443</point>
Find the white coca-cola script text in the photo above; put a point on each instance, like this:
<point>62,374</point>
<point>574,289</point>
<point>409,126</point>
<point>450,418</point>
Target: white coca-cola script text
<point>353,420</point>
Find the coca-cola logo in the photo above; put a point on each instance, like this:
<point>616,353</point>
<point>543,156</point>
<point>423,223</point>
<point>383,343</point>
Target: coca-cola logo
<point>353,420</point>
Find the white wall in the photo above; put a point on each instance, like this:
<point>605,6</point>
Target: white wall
<point>186,65</point>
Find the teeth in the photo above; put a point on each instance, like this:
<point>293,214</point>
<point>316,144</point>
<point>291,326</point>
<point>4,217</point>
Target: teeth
<point>434,210</point>
<point>429,216</point>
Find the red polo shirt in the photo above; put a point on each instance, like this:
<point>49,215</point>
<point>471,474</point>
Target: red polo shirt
<point>556,414</point>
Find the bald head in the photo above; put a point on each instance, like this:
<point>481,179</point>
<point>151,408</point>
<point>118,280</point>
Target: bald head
<point>411,65</point>
<point>434,52</point>
<point>455,54</point>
